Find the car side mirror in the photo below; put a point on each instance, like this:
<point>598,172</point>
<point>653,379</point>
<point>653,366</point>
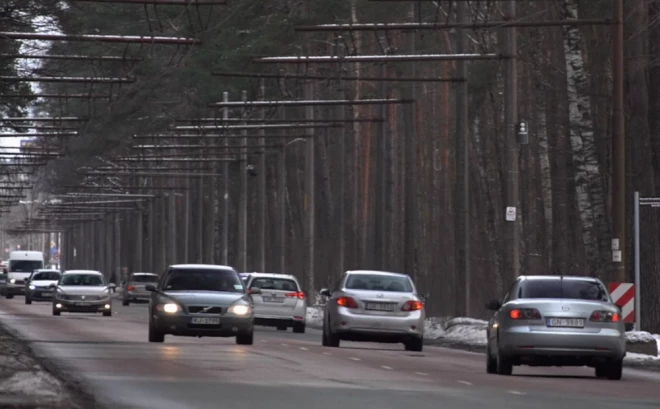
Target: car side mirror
<point>493,305</point>
<point>150,287</point>
<point>326,292</point>
<point>254,290</point>
<point>425,297</point>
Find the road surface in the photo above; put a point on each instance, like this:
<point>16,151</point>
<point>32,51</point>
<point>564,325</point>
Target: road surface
<point>113,360</point>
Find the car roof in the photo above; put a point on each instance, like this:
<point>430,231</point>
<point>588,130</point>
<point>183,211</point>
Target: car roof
<point>375,272</point>
<point>201,266</point>
<point>273,275</point>
<point>92,272</point>
<point>144,274</point>
<point>547,277</point>
<point>47,269</point>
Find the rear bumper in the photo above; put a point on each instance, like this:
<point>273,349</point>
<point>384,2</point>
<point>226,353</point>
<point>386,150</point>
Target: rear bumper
<point>137,296</point>
<point>522,342</point>
<point>357,327</point>
<point>180,325</point>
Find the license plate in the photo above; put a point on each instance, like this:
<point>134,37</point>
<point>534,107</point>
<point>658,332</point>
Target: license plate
<point>205,321</point>
<point>83,304</point>
<point>273,299</point>
<point>49,294</point>
<point>566,322</point>
<point>379,306</point>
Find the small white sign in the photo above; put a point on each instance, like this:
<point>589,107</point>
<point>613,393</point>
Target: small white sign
<point>616,256</point>
<point>615,244</point>
<point>510,214</point>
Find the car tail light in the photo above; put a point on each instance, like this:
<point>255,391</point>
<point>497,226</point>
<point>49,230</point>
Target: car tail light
<point>605,316</point>
<point>525,314</point>
<point>130,288</point>
<point>412,305</point>
<point>299,295</point>
<point>347,302</point>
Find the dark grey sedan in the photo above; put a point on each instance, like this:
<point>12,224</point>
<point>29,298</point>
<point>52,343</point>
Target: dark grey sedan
<point>199,300</point>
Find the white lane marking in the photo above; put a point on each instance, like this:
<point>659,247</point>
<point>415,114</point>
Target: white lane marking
<point>304,349</point>
<point>464,382</point>
<point>327,353</point>
<point>517,393</point>
<point>422,373</point>
<point>354,359</point>
<point>285,345</point>
<point>386,367</point>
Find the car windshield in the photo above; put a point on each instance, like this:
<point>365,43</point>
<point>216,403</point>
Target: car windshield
<point>203,280</point>
<point>567,289</point>
<point>88,280</point>
<point>145,279</point>
<point>46,275</point>
<point>25,266</point>
<point>379,282</point>
<point>281,284</point>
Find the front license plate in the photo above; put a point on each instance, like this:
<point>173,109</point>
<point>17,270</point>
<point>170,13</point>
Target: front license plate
<point>273,299</point>
<point>379,306</point>
<point>83,304</point>
<point>205,321</point>
<point>47,294</point>
<point>566,322</point>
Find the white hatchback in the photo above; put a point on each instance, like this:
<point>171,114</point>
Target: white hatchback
<point>281,304</point>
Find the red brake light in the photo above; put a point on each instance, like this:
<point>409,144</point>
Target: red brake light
<point>299,295</point>
<point>412,305</point>
<point>130,288</point>
<point>604,316</point>
<point>347,302</point>
<point>525,314</point>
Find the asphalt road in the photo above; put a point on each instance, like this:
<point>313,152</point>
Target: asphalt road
<point>113,360</point>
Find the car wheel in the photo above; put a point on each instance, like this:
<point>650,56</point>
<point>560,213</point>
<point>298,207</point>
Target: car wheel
<point>28,300</point>
<point>491,363</point>
<point>299,328</point>
<point>332,340</point>
<point>245,339</point>
<point>415,344</point>
<point>9,296</point>
<point>155,336</point>
<point>55,312</point>
<point>614,370</point>
<point>503,364</point>
<point>107,313</point>
<point>125,303</point>
<point>282,328</point>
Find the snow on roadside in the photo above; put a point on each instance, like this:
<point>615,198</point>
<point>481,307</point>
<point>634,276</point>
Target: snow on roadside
<point>635,337</point>
<point>32,383</point>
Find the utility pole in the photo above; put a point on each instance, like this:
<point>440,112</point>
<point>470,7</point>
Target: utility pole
<point>341,51</point>
<point>242,211</point>
<point>618,148</point>
<point>512,245</point>
<point>310,186</point>
<point>225,196</point>
<point>462,232</point>
<point>261,233</point>
<point>410,166</point>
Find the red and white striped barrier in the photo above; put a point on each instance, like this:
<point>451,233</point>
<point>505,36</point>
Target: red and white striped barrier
<point>623,295</point>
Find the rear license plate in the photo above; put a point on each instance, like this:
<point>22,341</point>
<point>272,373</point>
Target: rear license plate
<point>379,306</point>
<point>566,322</point>
<point>205,321</point>
<point>273,299</point>
<point>83,304</point>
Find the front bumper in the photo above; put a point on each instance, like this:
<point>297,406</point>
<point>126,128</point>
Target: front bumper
<point>15,289</point>
<point>39,294</point>
<point>82,306</point>
<point>523,341</point>
<point>181,324</point>
<point>352,326</point>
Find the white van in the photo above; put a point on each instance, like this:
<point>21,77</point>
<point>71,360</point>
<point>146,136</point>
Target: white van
<point>21,265</point>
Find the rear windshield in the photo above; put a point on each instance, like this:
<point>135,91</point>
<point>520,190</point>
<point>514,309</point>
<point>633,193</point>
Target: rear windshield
<point>377,282</point>
<point>145,279</point>
<point>46,275</point>
<point>203,280</point>
<point>25,266</point>
<point>282,284</point>
<point>567,289</point>
<point>86,280</point>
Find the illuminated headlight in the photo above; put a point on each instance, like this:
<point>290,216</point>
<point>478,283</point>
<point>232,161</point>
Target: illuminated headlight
<point>32,287</point>
<point>12,281</point>
<point>107,306</point>
<point>169,308</point>
<point>239,309</point>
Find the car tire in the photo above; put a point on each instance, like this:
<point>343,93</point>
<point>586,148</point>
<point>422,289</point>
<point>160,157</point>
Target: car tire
<point>55,312</point>
<point>28,300</point>
<point>125,303</point>
<point>614,370</point>
<point>329,339</point>
<point>282,328</point>
<point>415,345</point>
<point>245,339</point>
<point>299,328</point>
<point>9,296</point>
<point>107,313</point>
<point>503,365</point>
<point>155,336</point>
<point>491,363</point>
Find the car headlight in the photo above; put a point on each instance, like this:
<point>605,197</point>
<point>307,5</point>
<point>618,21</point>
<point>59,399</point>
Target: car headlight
<point>13,280</point>
<point>239,309</point>
<point>169,308</point>
<point>32,287</point>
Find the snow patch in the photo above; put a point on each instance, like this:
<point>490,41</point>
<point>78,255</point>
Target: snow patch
<point>630,356</point>
<point>314,318</point>
<point>31,383</point>
<point>466,330</point>
<point>639,337</point>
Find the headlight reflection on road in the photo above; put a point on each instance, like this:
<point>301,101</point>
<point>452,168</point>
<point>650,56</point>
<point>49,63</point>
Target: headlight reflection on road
<point>170,352</point>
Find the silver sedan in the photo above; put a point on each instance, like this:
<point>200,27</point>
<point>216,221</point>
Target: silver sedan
<point>556,321</point>
<point>374,306</point>
<point>81,291</point>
